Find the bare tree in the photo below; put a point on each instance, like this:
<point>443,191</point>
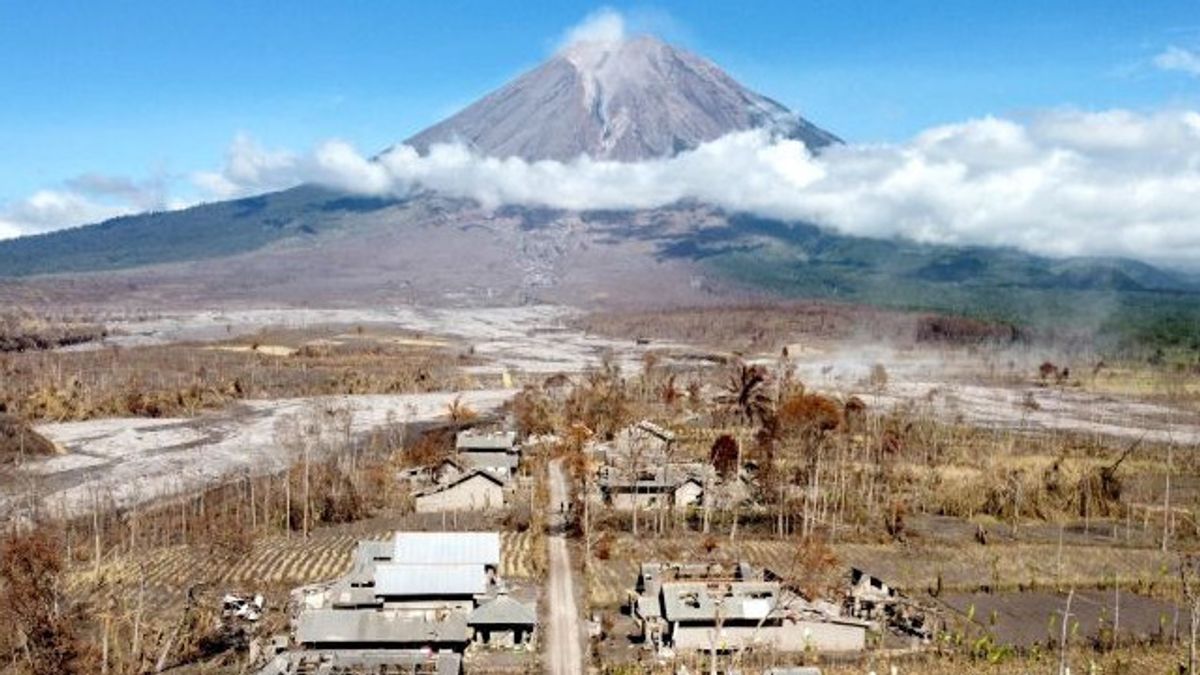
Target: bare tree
<point>1189,577</point>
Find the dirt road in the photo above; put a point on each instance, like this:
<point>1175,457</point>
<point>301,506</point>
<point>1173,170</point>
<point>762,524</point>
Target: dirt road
<point>564,653</point>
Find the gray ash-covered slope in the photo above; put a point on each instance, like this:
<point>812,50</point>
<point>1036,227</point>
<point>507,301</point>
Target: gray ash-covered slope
<point>629,100</point>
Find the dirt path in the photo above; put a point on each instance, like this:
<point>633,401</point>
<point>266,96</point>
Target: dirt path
<point>563,651</point>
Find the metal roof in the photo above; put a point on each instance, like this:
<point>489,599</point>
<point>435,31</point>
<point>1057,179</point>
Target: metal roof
<point>738,600</point>
<point>371,626</point>
<point>392,580</point>
<point>474,440</point>
<point>446,548</point>
<point>502,611</point>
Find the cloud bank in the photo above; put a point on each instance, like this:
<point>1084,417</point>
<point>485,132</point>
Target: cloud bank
<point>1059,183</point>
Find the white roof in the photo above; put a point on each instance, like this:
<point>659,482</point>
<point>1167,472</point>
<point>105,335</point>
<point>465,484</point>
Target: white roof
<point>447,548</point>
<point>392,580</point>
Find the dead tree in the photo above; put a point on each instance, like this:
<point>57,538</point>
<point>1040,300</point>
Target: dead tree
<point>1189,577</point>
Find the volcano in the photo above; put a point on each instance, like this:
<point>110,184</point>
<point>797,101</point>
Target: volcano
<point>628,100</point>
<point>625,100</point>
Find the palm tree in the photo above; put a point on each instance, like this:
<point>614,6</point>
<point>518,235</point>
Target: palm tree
<point>746,393</point>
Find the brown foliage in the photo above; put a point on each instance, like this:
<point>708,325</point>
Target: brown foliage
<point>21,332</point>
<point>33,606</point>
<point>533,411</point>
<point>809,413</point>
<point>601,402</point>
<point>746,392</point>
<point>724,455</point>
<point>18,440</point>
<point>814,570</point>
<point>958,330</point>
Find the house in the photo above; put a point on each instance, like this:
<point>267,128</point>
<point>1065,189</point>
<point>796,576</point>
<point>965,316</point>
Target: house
<point>503,621</point>
<point>441,472</point>
<point>495,452</point>
<point>670,486</point>
<point>372,629</point>
<point>478,490</point>
<point>413,591</point>
<point>703,608</point>
<point>503,465</point>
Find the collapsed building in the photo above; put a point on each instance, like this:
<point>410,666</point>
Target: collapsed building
<point>707,608</point>
<point>430,594</point>
<point>871,598</point>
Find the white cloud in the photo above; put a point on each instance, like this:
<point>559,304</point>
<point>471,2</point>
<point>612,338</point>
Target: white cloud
<point>47,210</point>
<point>604,26</point>
<point>1061,183</point>
<point>249,169</point>
<point>1180,60</point>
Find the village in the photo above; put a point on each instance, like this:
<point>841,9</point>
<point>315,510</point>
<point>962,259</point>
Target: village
<point>434,602</point>
<point>660,509</point>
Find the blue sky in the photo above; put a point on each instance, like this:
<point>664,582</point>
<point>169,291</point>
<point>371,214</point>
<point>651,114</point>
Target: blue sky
<point>142,89</point>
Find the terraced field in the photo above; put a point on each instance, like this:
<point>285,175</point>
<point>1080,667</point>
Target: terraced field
<point>272,566</point>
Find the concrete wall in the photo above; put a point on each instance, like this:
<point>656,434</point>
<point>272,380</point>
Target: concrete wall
<point>473,494</point>
<point>790,637</point>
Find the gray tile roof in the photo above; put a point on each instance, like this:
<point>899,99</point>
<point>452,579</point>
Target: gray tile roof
<point>480,473</point>
<point>370,626</point>
<point>502,611</point>
<point>406,580</point>
<point>446,548</point>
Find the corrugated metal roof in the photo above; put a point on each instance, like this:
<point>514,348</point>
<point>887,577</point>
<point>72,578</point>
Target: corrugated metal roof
<point>405,580</point>
<point>503,611</point>
<point>376,627</point>
<point>474,440</point>
<point>446,548</point>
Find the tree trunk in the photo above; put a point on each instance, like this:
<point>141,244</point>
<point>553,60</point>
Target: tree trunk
<point>1062,641</point>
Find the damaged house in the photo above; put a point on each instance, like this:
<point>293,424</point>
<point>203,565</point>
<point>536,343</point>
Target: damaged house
<point>703,608</point>
<point>674,485</point>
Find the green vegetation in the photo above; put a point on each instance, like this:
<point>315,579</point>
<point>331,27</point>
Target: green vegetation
<point>201,232</point>
<point>1128,306</point>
